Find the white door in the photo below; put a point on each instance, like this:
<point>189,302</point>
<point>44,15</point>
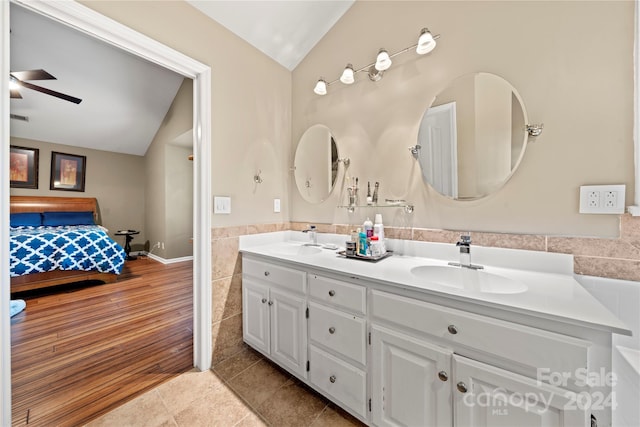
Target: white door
<point>255,314</point>
<point>411,384</point>
<point>438,140</point>
<point>288,331</point>
<point>488,396</point>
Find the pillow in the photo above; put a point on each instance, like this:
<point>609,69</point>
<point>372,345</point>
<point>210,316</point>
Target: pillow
<point>67,218</point>
<point>32,219</point>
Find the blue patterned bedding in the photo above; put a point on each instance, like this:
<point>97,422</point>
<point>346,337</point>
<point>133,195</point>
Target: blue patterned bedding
<point>71,247</point>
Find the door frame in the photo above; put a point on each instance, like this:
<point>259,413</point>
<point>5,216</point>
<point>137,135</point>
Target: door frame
<point>99,26</point>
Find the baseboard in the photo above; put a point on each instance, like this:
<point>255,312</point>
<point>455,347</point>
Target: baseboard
<point>166,261</point>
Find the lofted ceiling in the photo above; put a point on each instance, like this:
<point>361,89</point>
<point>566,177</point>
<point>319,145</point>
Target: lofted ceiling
<point>125,98</point>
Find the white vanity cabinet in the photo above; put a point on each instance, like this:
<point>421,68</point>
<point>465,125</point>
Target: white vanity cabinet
<point>395,355</point>
<point>274,313</point>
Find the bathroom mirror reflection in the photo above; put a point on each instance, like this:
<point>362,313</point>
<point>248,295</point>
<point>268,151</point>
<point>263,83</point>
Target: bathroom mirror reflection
<point>316,164</point>
<point>472,137</point>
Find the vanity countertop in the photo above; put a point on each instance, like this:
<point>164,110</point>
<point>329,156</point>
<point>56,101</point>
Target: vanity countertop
<point>553,295</point>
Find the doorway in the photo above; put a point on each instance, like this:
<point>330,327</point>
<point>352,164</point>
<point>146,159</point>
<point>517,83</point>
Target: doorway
<point>118,35</point>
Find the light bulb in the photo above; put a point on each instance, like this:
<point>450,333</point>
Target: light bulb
<point>383,62</point>
<point>347,75</point>
<point>13,84</point>
<point>321,87</point>
<point>426,42</point>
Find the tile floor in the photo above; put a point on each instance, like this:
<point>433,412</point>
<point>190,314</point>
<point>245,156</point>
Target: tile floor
<point>245,390</point>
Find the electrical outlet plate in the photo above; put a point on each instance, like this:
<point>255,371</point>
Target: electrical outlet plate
<point>276,205</point>
<point>221,205</point>
<point>602,199</point>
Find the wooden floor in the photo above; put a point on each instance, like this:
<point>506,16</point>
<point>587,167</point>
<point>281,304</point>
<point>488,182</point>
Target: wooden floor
<point>82,351</point>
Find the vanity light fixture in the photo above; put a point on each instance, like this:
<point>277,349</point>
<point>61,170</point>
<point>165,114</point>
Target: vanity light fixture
<point>426,43</point>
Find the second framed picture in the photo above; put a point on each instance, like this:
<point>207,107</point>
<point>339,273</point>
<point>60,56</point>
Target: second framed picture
<point>67,172</point>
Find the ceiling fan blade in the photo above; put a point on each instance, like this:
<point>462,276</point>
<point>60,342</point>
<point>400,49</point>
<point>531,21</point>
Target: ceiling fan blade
<point>51,92</point>
<point>32,75</point>
<point>15,93</point>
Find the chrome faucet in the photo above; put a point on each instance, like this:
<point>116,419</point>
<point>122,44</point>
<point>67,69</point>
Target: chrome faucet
<point>465,253</point>
<point>313,235</point>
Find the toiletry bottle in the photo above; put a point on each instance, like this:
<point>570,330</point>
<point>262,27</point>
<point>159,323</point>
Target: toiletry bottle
<point>374,247</point>
<point>378,230</point>
<point>357,236</point>
<point>362,244</point>
<point>368,227</point>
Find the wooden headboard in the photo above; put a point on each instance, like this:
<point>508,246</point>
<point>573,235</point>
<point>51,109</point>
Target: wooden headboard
<point>54,204</point>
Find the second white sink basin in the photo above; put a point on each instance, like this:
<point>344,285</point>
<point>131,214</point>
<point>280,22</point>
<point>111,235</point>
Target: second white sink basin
<point>468,279</point>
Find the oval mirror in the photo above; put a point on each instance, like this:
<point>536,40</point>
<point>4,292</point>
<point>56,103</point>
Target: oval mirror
<point>316,164</point>
<point>472,137</point>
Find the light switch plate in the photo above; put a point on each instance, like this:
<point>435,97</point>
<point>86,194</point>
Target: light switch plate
<point>221,205</point>
<point>276,205</point>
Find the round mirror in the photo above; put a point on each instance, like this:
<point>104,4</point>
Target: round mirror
<point>472,137</point>
<point>316,164</point>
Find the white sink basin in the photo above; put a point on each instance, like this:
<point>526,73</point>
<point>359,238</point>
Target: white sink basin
<point>294,249</point>
<point>468,279</point>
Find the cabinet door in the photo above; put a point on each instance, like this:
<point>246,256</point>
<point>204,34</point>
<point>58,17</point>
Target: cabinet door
<point>488,396</point>
<point>406,385</point>
<point>289,331</point>
<point>255,314</point>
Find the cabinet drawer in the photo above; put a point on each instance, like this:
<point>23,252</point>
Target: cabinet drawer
<point>522,344</point>
<point>345,383</point>
<point>338,331</point>
<point>337,293</point>
<point>287,278</point>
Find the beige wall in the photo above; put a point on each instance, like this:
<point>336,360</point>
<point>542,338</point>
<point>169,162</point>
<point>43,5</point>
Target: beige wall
<point>169,181</point>
<point>116,180</point>
<point>251,104</point>
<point>572,63</point>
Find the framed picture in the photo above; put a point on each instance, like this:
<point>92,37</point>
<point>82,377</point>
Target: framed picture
<point>67,171</point>
<point>23,167</point>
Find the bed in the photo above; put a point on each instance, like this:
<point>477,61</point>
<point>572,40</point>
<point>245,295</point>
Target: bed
<point>64,248</point>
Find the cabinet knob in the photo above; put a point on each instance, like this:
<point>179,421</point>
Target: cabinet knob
<point>462,387</point>
<point>332,330</point>
<point>452,329</point>
<point>332,378</point>
<point>266,273</point>
<point>443,376</point>
<point>270,302</point>
<point>264,300</point>
<point>332,293</point>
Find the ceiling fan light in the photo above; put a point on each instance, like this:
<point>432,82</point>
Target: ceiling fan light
<point>347,75</point>
<point>426,42</point>
<point>321,87</point>
<point>13,84</point>
<point>383,61</point>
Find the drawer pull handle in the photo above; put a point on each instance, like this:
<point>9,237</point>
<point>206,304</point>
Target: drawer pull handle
<point>266,273</point>
<point>264,300</point>
<point>270,302</point>
<point>332,378</point>
<point>452,329</point>
<point>462,387</point>
<point>443,376</point>
<point>332,330</point>
<point>332,293</point>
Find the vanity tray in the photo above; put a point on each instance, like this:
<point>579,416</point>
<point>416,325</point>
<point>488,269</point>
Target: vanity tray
<point>365,257</point>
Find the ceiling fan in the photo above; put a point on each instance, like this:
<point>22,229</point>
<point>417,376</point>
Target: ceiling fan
<point>19,78</point>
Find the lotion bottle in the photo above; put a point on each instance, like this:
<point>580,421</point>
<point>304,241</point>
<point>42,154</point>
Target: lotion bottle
<point>378,230</point>
<point>368,227</point>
